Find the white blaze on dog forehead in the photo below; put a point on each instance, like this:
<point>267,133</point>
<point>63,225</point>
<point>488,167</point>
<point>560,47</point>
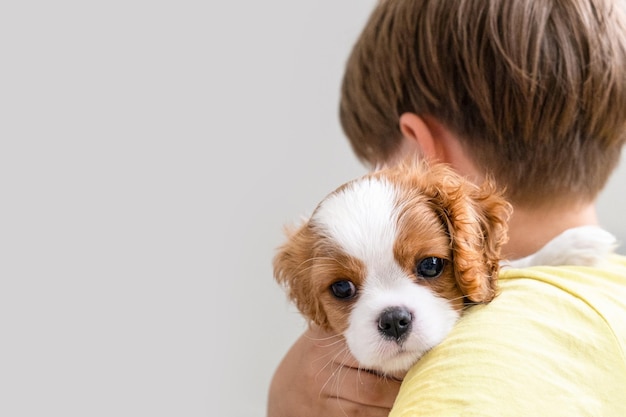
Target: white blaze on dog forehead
<point>362,218</point>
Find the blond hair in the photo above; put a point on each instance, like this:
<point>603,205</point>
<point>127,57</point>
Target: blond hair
<point>535,89</point>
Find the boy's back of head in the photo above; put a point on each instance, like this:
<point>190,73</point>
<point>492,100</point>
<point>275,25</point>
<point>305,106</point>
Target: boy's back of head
<point>535,89</point>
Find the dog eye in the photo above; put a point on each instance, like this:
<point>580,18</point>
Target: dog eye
<point>429,268</point>
<point>343,289</point>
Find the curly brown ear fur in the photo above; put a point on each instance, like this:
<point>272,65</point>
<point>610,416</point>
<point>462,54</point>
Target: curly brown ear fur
<point>476,219</point>
<point>292,269</point>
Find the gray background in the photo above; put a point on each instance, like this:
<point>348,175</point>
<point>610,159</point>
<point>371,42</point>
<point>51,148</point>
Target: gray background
<point>151,153</point>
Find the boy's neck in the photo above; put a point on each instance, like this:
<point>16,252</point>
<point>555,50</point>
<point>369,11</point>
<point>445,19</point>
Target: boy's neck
<point>530,229</point>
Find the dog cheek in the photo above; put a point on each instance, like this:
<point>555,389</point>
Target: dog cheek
<point>362,337</point>
<point>308,302</point>
<point>336,313</point>
<point>304,295</point>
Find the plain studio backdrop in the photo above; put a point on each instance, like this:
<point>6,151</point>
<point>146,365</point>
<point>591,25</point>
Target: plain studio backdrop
<point>151,153</point>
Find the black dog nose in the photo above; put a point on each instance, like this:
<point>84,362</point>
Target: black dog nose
<point>394,322</point>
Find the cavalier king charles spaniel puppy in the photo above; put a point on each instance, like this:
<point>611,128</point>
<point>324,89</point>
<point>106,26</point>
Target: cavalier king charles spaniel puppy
<point>390,260</point>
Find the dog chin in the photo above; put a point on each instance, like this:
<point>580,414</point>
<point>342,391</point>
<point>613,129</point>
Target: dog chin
<point>391,358</point>
<point>397,364</point>
<point>432,319</point>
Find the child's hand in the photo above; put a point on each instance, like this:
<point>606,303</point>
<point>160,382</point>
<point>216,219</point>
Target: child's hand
<point>318,377</point>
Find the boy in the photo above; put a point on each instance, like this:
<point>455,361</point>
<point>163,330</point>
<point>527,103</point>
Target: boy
<point>532,93</point>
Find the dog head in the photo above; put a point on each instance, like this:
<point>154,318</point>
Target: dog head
<point>390,259</point>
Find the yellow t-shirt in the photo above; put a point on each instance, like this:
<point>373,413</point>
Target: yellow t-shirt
<point>551,344</point>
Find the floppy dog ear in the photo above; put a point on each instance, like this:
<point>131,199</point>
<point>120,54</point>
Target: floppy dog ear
<point>293,270</point>
<point>476,220</point>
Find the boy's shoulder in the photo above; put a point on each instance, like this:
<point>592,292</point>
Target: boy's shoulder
<point>550,343</point>
<point>596,287</point>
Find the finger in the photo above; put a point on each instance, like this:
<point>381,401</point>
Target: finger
<point>346,407</point>
<point>362,387</point>
<point>331,345</point>
<point>341,377</point>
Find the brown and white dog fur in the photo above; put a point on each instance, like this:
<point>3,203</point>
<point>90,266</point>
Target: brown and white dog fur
<point>390,260</point>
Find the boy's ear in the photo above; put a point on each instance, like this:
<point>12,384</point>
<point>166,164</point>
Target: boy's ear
<point>417,133</point>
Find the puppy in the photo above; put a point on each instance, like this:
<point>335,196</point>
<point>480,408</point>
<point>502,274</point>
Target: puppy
<point>391,259</point>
